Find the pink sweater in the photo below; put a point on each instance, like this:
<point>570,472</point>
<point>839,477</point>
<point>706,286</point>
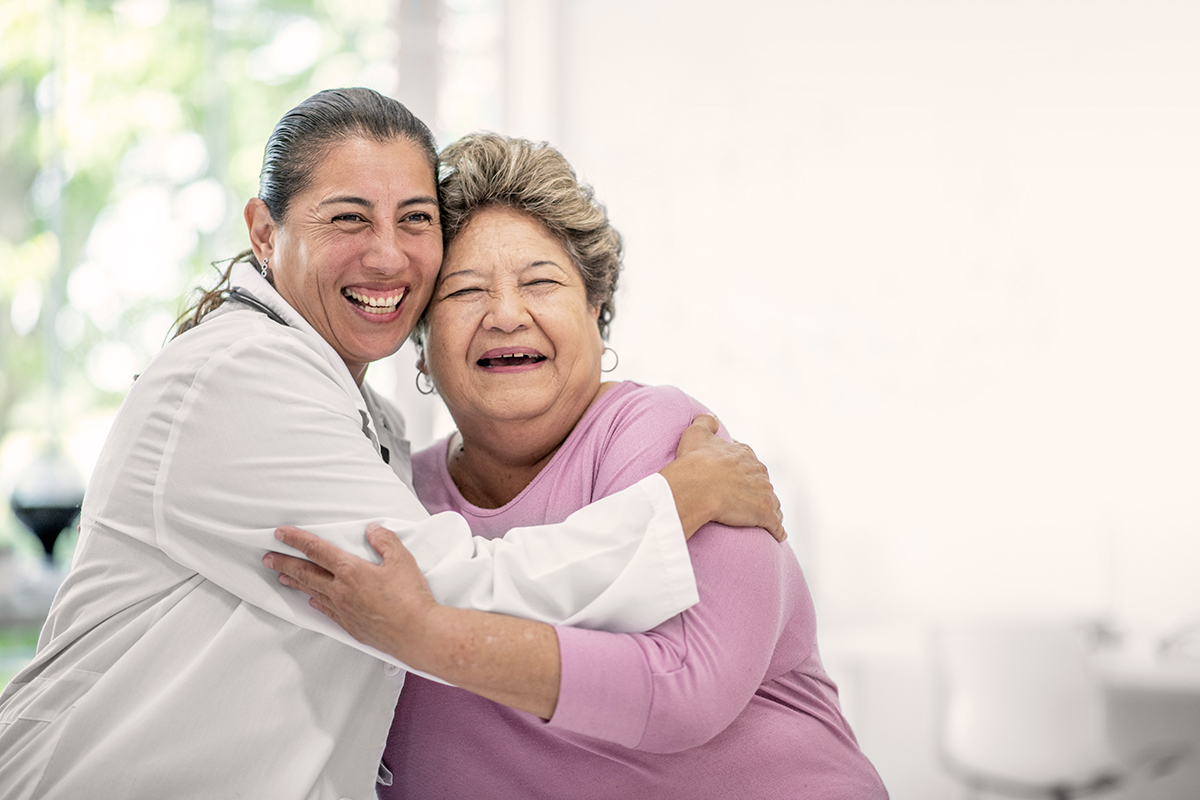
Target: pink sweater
<point>726,700</point>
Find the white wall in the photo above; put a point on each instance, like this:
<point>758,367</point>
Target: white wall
<point>937,262</point>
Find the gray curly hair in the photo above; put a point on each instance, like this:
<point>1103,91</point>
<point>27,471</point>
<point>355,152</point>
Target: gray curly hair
<point>487,169</point>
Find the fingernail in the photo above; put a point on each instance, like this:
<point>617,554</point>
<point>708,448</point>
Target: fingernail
<point>268,562</point>
<point>279,534</point>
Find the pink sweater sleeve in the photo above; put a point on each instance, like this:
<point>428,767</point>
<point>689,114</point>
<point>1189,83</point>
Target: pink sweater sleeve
<point>677,686</point>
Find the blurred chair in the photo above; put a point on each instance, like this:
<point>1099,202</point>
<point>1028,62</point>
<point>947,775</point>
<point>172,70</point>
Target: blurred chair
<point>1023,715</point>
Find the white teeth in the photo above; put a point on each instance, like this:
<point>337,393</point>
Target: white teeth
<point>380,304</point>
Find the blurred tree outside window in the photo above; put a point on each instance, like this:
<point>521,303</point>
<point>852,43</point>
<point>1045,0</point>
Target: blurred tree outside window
<point>131,135</point>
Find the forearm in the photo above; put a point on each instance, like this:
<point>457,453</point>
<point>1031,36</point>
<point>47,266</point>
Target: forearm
<point>620,563</point>
<point>509,660</point>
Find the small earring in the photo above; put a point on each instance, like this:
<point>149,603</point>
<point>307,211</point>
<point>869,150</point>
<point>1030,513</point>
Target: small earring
<point>262,270</point>
<point>616,359</point>
<point>431,388</point>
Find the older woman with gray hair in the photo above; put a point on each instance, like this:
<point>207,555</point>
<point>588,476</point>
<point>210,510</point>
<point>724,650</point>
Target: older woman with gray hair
<point>727,699</point>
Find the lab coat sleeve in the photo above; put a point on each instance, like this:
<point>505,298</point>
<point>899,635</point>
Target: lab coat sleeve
<point>266,436</point>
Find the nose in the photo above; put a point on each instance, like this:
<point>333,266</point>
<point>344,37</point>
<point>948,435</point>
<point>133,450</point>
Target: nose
<point>506,311</point>
<point>387,254</point>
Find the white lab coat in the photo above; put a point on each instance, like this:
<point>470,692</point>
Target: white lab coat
<point>174,665</point>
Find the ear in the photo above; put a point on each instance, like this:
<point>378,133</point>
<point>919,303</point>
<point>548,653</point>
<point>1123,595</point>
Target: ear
<point>421,361</point>
<point>261,228</point>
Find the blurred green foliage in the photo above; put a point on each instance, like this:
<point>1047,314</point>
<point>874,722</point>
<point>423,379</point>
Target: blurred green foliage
<point>124,126</point>
<point>17,646</point>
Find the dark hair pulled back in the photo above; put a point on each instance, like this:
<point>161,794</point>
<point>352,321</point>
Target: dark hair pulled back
<point>297,146</point>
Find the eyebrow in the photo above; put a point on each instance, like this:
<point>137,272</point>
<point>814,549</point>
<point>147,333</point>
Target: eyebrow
<point>457,273</point>
<point>365,203</point>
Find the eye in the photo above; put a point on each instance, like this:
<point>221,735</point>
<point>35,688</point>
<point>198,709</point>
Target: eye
<point>463,292</point>
<point>419,218</point>
<point>351,217</point>
<point>543,282</point>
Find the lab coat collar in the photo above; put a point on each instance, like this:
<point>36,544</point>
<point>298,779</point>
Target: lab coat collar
<point>246,278</point>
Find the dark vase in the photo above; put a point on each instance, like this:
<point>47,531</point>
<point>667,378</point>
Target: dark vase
<point>46,522</point>
<point>47,498</point>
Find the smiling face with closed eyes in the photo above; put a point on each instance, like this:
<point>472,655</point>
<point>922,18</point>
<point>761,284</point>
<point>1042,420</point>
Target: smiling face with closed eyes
<point>512,337</point>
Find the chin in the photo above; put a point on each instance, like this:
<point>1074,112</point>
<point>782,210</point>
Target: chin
<point>520,411</point>
<point>379,351</point>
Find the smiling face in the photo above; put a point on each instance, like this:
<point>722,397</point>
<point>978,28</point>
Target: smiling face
<point>511,336</point>
<point>359,251</point>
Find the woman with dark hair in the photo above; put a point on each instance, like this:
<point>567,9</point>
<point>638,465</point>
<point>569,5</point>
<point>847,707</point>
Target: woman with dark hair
<point>172,663</point>
<point>729,698</point>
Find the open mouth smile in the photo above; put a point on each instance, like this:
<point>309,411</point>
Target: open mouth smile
<point>516,359</point>
<point>385,303</point>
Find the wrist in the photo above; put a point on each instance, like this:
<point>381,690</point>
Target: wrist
<point>694,501</point>
<point>423,640</point>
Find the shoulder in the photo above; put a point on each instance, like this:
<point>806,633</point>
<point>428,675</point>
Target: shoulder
<point>430,478</point>
<point>665,408</point>
<point>247,334</point>
<point>242,372</point>
<point>244,349</point>
<point>652,418</point>
<point>634,432</point>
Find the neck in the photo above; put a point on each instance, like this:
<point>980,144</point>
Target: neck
<point>491,477</point>
<point>492,463</point>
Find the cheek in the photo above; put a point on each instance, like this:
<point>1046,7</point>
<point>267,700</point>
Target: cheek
<point>447,342</point>
<point>321,251</point>
<point>319,266</point>
<point>427,253</point>
<point>586,330</point>
<point>595,343</point>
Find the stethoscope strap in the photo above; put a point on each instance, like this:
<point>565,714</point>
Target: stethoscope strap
<point>242,296</point>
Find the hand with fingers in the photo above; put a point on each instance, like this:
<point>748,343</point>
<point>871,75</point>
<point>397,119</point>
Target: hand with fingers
<point>715,480</point>
<point>389,607</point>
<point>383,605</point>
